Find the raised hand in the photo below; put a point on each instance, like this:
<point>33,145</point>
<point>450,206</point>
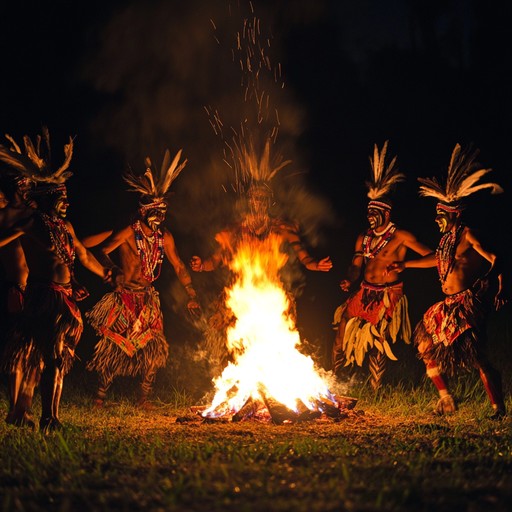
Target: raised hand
<point>324,265</point>
<point>345,285</point>
<point>396,266</point>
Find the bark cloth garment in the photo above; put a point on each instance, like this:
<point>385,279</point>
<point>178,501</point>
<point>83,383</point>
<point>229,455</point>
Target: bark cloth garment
<point>452,330</point>
<point>130,324</point>
<point>50,315</point>
<point>377,315</point>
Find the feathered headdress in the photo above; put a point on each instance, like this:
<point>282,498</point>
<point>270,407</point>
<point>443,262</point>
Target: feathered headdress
<point>383,178</point>
<point>463,174</point>
<point>255,168</point>
<point>260,170</point>
<point>152,185</point>
<point>34,160</point>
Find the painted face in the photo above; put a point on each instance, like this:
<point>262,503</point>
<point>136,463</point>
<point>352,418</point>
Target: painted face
<point>155,216</point>
<point>376,217</point>
<point>259,203</point>
<point>60,204</point>
<point>445,220</point>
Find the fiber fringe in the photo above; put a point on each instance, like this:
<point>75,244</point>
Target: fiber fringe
<point>461,354</point>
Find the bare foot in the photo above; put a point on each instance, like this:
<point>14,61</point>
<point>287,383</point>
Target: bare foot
<point>445,405</point>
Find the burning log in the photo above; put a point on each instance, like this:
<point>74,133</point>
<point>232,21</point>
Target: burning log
<point>279,412</point>
<point>308,415</point>
<point>345,402</point>
<point>304,413</point>
<point>197,409</point>
<point>329,408</point>
<point>248,410</point>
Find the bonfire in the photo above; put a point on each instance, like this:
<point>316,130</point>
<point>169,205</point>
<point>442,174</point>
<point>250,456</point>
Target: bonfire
<point>269,376</point>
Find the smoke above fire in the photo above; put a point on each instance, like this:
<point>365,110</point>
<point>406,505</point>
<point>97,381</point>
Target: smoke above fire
<point>181,75</point>
<point>158,67</point>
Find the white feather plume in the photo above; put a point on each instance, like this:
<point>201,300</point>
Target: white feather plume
<point>462,178</point>
<point>383,178</point>
<point>155,183</point>
<point>34,160</point>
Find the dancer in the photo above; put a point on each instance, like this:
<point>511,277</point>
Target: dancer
<point>376,314</point>
<point>258,224</point>
<point>50,326</point>
<point>452,333</point>
<point>14,265</point>
<point>255,228</point>
<point>129,320</point>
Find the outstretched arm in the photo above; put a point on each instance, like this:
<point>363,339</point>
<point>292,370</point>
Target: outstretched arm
<point>96,239</point>
<point>9,236</point>
<point>224,241</point>
<point>292,237</point>
<point>87,259</point>
<point>19,229</point>
<point>410,241</point>
<point>427,261</point>
<point>181,271</point>
<point>111,243</point>
<point>207,265</point>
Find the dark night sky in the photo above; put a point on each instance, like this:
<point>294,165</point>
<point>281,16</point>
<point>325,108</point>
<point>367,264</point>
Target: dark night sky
<point>130,78</point>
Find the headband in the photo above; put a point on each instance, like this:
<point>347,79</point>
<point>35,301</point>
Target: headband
<point>379,205</point>
<point>41,190</point>
<point>450,208</point>
<point>144,207</point>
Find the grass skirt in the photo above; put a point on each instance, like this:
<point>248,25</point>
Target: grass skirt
<point>131,328</point>
<point>49,316</point>
<point>452,331</point>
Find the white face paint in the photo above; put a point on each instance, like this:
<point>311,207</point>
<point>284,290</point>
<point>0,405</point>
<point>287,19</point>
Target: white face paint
<point>60,204</point>
<point>376,217</point>
<point>155,216</point>
<point>445,220</point>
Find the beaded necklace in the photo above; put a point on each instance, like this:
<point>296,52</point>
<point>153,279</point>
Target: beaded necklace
<point>445,252</point>
<point>373,244</point>
<point>150,250</point>
<point>60,238</point>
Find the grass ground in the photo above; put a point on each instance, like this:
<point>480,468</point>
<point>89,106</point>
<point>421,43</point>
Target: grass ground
<point>391,454</point>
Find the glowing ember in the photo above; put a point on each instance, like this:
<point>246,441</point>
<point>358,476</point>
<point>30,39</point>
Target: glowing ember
<point>264,341</point>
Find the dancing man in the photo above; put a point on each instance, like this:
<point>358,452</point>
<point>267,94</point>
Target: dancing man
<point>256,227</point>
<point>50,326</point>
<point>129,320</point>
<point>14,265</point>
<point>376,314</point>
<point>452,333</point>
<point>258,224</point>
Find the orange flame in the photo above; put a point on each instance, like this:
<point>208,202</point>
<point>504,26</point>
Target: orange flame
<point>264,339</point>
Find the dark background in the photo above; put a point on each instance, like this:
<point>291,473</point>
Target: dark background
<point>130,78</point>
